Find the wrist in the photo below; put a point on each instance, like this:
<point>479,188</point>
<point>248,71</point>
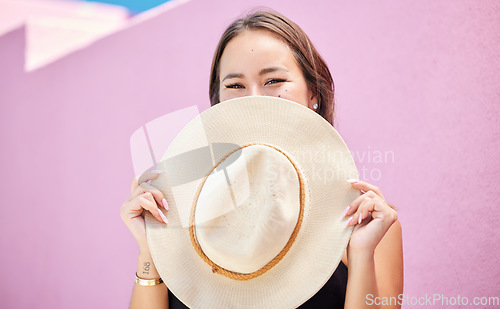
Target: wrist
<point>145,266</point>
<point>356,255</point>
<point>144,252</point>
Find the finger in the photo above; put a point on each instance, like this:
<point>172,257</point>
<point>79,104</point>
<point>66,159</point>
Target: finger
<point>382,211</point>
<point>365,208</point>
<point>366,219</point>
<point>353,207</point>
<point>150,205</point>
<point>365,186</point>
<point>150,174</point>
<point>157,194</point>
<point>145,177</point>
<point>373,208</point>
<point>368,187</point>
<point>362,212</point>
<point>143,202</point>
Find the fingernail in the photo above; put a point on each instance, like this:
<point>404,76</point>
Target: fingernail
<point>162,216</point>
<point>360,218</point>
<point>164,201</point>
<point>149,182</point>
<point>348,220</point>
<point>157,171</point>
<point>352,180</point>
<point>346,211</point>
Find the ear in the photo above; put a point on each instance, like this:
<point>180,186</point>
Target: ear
<point>313,100</point>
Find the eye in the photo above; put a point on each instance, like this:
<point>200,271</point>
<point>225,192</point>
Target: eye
<point>235,86</point>
<point>275,81</point>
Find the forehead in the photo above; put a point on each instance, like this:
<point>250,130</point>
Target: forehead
<point>255,48</point>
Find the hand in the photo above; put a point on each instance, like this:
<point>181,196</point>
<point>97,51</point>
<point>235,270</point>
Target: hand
<point>371,215</point>
<point>143,197</point>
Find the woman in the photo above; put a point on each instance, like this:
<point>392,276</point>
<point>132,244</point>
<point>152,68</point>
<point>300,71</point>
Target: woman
<point>266,54</point>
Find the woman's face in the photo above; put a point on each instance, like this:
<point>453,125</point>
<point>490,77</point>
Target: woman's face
<point>257,63</point>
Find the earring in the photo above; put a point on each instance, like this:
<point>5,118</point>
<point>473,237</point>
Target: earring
<point>315,106</point>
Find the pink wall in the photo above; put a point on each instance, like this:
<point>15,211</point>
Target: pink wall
<point>417,80</point>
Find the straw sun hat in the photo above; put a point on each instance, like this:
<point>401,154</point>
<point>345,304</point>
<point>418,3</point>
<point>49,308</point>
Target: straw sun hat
<point>256,188</point>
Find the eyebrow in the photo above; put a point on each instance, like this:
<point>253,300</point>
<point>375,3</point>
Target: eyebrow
<point>271,70</point>
<point>232,75</point>
<point>262,72</point>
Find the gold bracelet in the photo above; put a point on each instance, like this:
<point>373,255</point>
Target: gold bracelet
<point>147,282</point>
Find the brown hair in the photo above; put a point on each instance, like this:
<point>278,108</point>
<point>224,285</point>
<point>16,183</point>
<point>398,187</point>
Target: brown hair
<point>316,73</point>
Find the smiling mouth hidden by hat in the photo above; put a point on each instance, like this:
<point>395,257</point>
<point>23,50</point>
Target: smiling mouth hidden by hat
<point>252,221</point>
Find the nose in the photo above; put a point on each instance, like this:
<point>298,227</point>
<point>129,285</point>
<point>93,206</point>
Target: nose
<point>255,90</point>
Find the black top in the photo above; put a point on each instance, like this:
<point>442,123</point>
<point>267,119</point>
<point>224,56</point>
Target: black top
<point>331,295</point>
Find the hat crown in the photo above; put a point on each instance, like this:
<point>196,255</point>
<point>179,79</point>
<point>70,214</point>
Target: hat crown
<point>247,211</point>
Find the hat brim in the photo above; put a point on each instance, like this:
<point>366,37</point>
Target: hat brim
<point>325,162</point>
